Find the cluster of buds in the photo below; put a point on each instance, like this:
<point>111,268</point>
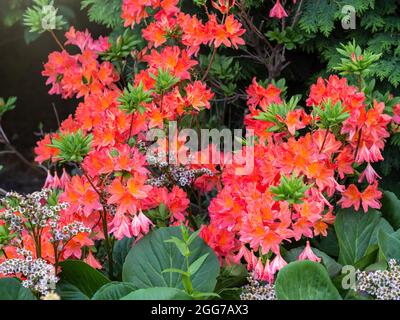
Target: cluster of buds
<point>38,275</point>
<point>255,290</point>
<point>380,284</point>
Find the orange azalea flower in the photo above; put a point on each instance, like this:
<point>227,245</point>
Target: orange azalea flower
<point>80,194</point>
<point>174,59</point>
<point>198,96</point>
<point>44,151</point>
<point>351,197</point>
<point>227,34</point>
<point>127,197</point>
<point>369,198</point>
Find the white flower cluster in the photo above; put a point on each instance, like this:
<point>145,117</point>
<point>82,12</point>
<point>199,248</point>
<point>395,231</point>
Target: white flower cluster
<point>170,174</point>
<point>178,175</point>
<point>32,208</point>
<point>68,231</point>
<point>40,275</point>
<point>35,210</point>
<point>254,290</point>
<point>380,284</point>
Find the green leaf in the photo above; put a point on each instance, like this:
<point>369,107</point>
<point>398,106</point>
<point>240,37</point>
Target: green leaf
<point>195,266</point>
<point>230,293</point>
<point>331,265</point>
<point>114,291</point>
<point>174,270</point>
<point>205,295</point>
<point>354,231</point>
<point>147,260</point>
<point>180,244</point>
<point>369,257</point>
<point>328,244</point>
<point>381,265</point>
<point>353,295</point>
<point>305,280</point>
<point>120,251</point>
<point>158,293</point>
<point>12,289</point>
<point>193,236</point>
<point>389,246</point>
<point>382,225</point>
<point>231,277</point>
<point>82,276</point>
<point>391,208</point>
<point>68,291</point>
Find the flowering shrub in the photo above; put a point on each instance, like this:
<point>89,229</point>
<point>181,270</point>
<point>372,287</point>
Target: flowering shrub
<point>128,179</point>
<point>295,175</point>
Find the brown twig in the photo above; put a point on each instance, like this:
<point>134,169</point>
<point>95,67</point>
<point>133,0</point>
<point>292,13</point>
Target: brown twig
<point>209,64</point>
<point>13,150</point>
<point>56,40</point>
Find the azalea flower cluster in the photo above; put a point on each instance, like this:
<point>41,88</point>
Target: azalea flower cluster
<point>171,23</point>
<point>95,192</point>
<point>301,165</point>
<point>117,185</point>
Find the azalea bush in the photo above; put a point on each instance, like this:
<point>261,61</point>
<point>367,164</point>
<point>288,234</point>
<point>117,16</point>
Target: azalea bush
<point>133,207</point>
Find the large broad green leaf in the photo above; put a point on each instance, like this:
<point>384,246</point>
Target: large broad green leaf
<point>12,289</point>
<point>391,208</point>
<point>148,258</point>
<point>389,246</point>
<point>328,244</point>
<point>114,291</point>
<point>160,293</point>
<point>382,225</point>
<point>68,291</point>
<point>331,265</point>
<point>305,280</point>
<point>82,276</point>
<point>121,250</point>
<point>354,231</point>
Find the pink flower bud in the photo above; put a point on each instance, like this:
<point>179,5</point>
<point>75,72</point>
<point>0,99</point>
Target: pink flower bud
<point>308,254</point>
<point>278,11</point>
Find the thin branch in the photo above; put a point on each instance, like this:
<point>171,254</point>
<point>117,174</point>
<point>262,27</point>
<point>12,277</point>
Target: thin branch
<point>56,113</point>
<point>56,40</point>
<point>209,64</point>
<point>297,14</point>
<point>13,150</point>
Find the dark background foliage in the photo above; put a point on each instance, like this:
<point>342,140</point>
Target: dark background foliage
<point>21,65</point>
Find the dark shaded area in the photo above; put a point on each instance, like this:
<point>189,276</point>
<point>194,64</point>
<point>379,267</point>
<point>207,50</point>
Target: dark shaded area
<point>20,69</point>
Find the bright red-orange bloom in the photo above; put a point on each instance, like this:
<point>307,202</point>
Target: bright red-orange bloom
<point>369,198</point>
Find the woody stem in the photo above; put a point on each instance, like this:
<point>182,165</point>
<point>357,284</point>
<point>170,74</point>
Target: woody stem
<point>130,128</point>
<point>209,64</point>
<point>358,144</point>
<point>56,40</point>
<point>324,141</point>
<point>103,217</point>
<point>107,241</point>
